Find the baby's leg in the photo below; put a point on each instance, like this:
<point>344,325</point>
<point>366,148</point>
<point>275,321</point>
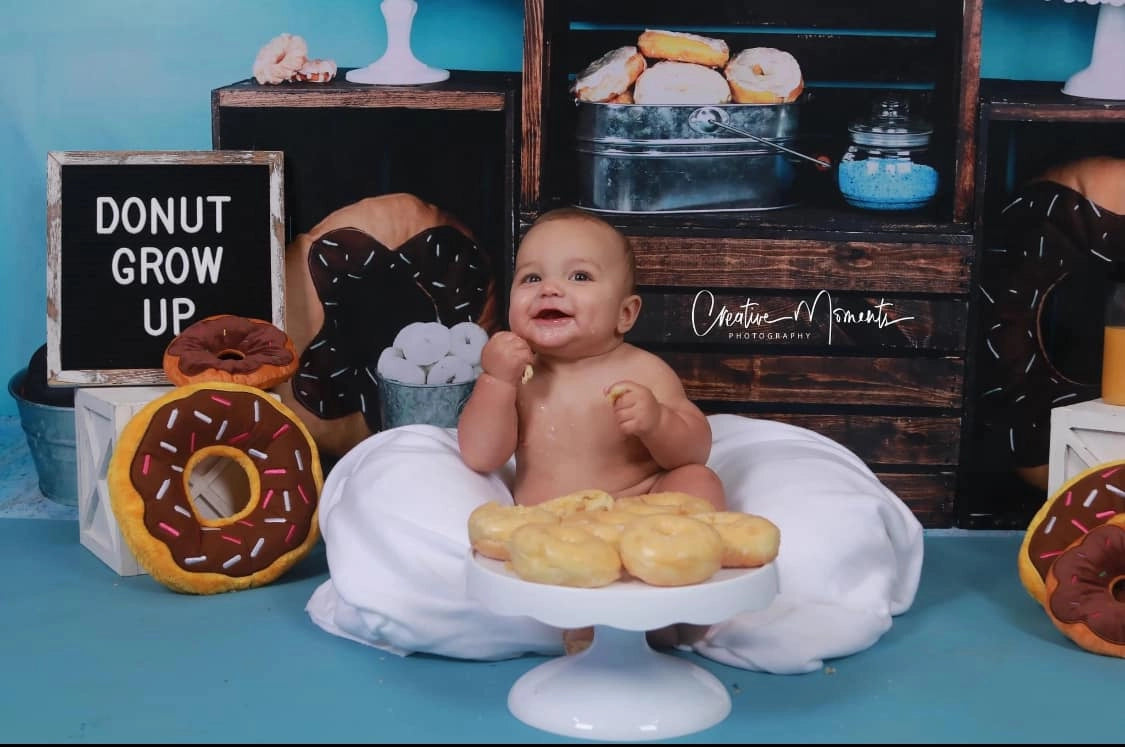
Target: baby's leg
<point>696,479</point>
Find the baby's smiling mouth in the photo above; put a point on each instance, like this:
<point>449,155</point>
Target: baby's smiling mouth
<point>551,314</point>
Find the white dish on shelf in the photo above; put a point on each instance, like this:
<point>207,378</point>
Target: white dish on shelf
<point>620,689</point>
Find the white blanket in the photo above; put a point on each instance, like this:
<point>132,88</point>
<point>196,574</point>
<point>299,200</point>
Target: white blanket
<point>394,513</point>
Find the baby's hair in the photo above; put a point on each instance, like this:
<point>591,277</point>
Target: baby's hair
<point>573,213</point>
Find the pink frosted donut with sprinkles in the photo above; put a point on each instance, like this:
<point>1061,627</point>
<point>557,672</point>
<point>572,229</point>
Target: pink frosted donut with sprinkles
<point>149,487</point>
<point>1088,500</point>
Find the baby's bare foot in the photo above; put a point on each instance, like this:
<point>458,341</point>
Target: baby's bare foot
<point>577,640</point>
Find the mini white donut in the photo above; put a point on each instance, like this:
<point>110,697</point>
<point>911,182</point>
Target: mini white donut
<point>450,370</point>
<point>764,75</point>
<point>671,83</point>
<point>402,370</point>
<point>467,340</point>
<point>610,75</point>
<point>423,343</point>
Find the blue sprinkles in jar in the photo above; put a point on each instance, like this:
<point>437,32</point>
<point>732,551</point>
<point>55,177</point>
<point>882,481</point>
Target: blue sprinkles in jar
<point>886,167</point>
<point>887,183</point>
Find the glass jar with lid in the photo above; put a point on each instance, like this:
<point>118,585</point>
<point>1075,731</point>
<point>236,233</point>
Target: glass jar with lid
<point>887,165</point>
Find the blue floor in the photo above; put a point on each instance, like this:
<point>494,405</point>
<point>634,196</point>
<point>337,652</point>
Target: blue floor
<point>89,656</point>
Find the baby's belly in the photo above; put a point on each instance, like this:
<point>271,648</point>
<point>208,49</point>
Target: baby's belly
<point>537,483</point>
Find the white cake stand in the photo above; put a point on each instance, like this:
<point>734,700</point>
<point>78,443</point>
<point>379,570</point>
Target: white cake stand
<point>620,689</point>
<point>398,65</point>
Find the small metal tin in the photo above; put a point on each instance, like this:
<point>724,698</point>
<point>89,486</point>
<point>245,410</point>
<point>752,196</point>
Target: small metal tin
<point>634,158</point>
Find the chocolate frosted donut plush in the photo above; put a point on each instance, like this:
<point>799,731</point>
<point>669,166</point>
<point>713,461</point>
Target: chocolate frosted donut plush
<point>352,283</point>
<point>1082,503</point>
<point>149,477</point>
<point>1085,589</point>
<point>230,348</point>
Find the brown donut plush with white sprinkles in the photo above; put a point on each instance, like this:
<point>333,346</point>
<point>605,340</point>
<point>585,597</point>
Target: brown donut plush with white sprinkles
<point>149,486</point>
<point>353,282</point>
<point>1054,234</point>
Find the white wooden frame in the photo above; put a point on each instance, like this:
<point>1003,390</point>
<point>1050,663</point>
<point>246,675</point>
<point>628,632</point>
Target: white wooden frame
<point>57,159</point>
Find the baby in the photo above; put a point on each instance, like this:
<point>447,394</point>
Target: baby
<point>597,412</point>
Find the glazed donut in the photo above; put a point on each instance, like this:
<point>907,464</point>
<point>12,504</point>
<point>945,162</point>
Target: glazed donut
<point>151,466</point>
<point>749,541</point>
<point>658,44</point>
<point>764,75</point>
<point>671,550</point>
<point>1086,501</point>
<point>1054,236</point>
<point>609,76</point>
<point>670,83</point>
<point>664,503</point>
<point>580,501</point>
<point>491,525</point>
<point>564,555</point>
<point>316,71</point>
<point>607,525</point>
<point>280,59</point>
<point>230,348</point>
<point>1084,590</point>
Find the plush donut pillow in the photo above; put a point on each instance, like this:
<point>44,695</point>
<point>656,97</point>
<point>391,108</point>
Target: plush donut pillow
<point>353,282</point>
<point>171,536</point>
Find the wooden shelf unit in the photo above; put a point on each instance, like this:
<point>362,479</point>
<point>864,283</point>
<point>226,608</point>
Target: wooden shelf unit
<point>1025,127</point>
<point>891,392</point>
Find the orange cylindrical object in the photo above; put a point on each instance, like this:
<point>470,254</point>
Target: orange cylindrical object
<point>1113,366</point>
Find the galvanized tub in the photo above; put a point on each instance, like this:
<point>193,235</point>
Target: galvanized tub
<point>634,158</point>
<point>50,436</point>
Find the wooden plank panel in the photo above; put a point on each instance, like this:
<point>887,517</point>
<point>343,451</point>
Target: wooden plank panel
<point>819,55</point>
<point>736,262</point>
<point>820,380</point>
<point>820,318</point>
<point>883,440</point>
<point>873,14</point>
<point>930,496</point>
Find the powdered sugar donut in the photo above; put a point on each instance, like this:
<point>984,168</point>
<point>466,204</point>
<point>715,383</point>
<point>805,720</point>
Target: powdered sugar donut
<point>610,75</point>
<point>658,44</point>
<point>423,343</point>
<point>316,71</point>
<point>670,83</point>
<point>466,341</point>
<point>280,59</point>
<point>399,369</point>
<point>450,370</point>
<point>764,75</point>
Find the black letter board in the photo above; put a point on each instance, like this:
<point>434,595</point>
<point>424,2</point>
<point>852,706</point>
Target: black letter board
<point>142,244</point>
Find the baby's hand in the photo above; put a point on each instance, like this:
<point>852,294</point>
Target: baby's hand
<point>506,356</point>
<point>638,412</point>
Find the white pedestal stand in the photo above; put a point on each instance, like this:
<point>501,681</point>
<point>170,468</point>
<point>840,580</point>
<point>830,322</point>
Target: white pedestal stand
<point>1105,76</point>
<point>619,689</point>
<point>398,65</point>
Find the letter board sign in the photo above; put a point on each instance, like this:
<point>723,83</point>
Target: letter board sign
<point>141,244</point>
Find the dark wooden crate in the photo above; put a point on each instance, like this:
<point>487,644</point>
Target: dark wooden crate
<point>451,143</point>
<point>1025,127</point>
<point>894,394</point>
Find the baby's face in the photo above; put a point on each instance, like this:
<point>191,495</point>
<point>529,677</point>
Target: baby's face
<point>570,290</point>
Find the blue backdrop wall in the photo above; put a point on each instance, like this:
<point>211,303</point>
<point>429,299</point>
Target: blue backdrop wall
<point>133,75</point>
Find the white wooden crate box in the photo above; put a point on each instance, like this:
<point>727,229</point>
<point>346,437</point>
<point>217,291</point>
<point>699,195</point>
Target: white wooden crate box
<point>218,486</point>
<point>1084,435</point>
<point>100,415</point>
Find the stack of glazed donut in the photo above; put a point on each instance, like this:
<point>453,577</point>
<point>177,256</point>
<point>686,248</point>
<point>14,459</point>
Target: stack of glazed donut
<point>1072,559</point>
<point>679,68</point>
<point>218,408</point>
<point>589,539</point>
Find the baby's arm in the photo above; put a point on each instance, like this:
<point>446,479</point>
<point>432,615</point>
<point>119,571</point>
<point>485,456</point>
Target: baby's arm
<point>671,427</point>
<point>488,429</point>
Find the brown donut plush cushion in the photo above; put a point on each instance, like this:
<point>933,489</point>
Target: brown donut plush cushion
<point>230,348</point>
<point>353,282</point>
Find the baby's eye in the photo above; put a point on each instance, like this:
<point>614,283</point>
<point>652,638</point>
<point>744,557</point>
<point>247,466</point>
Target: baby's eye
<point>580,276</point>
<point>530,277</point>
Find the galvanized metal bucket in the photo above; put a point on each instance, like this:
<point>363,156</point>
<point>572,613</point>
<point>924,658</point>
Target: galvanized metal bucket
<point>50,437</point>
<point>659,159</point>
<point>429,404</point>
